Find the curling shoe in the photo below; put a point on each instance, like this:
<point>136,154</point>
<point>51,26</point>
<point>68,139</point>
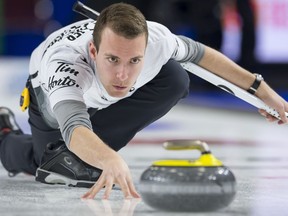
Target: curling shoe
<point>8,123</point>
<point>61,166</point>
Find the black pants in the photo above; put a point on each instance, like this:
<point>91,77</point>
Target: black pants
<point>115,125</point>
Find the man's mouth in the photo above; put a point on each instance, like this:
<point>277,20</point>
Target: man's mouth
<point>120,88</point>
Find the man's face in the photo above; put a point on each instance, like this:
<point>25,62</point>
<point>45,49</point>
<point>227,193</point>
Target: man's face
<point>118,61</point>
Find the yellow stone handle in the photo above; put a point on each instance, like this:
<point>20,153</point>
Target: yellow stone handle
<point>186,145</point>
<point>206,159</point>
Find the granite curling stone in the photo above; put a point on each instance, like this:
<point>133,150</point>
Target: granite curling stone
<point>200,185</point>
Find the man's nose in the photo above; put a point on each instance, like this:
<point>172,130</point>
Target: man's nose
<point>122,74</point>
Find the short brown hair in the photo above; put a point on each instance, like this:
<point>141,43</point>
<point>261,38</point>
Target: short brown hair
<point>123,19</point>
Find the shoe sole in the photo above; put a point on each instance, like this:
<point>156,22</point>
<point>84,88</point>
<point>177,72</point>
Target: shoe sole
<point>47,177</point>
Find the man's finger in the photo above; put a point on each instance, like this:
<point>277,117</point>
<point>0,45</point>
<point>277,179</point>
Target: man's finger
<point>124,187</point>
<point>268,117</point>
<point>108,188</point>
<point>132,188</point>
<point>262,112</point>
<point>93,190</point>
<point>283,116</point>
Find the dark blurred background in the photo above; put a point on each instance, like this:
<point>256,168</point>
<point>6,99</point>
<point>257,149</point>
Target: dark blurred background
<point>253,33</point>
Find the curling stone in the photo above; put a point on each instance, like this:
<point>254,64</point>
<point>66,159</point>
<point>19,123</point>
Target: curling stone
<point>198,185</point>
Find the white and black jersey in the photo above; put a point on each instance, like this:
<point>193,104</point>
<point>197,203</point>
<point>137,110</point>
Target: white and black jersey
<point>67,74</point>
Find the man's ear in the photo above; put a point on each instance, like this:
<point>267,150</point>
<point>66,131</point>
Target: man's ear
<point>92,50</point>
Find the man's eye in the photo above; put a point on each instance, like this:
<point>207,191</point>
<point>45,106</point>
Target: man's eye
<point>112,59</point>
<point>135,61</point>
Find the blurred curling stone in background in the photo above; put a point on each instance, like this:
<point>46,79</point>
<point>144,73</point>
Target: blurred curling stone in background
<point>179,185</point>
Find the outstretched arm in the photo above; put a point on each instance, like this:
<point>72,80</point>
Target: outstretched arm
<point>77,132</point>
<point>91,149</point>
<point>222,66</point>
